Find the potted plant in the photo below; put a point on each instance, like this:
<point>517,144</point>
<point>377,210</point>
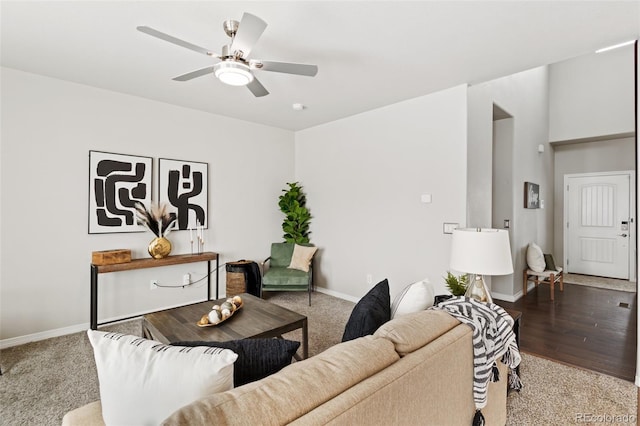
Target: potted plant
<point>297,217</point>
<point>457,285</point>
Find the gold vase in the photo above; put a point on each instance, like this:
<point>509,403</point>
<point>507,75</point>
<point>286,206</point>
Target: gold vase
<point>159,247</point>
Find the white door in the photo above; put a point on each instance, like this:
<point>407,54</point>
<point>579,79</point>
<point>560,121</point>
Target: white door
<point>598,226</point>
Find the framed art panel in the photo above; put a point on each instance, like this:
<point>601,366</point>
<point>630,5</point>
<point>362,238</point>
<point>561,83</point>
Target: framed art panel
<point>116,181</point>
<point>531,195</point>
<point>183,185</point>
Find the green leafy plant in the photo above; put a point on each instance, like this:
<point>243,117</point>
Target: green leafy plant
<point>457,285</point>
<point>297,217</point>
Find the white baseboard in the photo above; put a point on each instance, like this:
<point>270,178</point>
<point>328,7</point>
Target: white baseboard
<point>506,297</point>
<point>509,297</point>
<point>21,340</point>
<point>337,294</point>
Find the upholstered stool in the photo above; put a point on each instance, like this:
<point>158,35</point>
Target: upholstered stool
<point>548,276</point>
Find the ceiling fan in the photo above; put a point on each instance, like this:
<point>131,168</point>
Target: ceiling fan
<point>234,67</point>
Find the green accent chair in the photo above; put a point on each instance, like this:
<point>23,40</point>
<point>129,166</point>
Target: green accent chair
<point>277,276</point>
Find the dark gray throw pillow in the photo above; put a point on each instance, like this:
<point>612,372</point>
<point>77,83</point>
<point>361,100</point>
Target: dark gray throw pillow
<point>373,310</point>
<point>257,358</point>
<point>549,264</point>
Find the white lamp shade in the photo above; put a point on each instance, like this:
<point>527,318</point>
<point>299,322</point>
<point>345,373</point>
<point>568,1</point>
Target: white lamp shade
<point>484,252</point>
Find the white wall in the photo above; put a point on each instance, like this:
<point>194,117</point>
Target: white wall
<point>590,102</point>
<point>586,157</point>
<point>48,128</point>
<point>590,95</point>
<point>502,172</point>
<point>525,97</point>
<point>364,176</point>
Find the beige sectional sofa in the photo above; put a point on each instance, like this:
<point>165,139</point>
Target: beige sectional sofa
<point>416,369</point>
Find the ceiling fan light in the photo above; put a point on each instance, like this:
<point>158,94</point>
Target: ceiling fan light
<point>233,73</point>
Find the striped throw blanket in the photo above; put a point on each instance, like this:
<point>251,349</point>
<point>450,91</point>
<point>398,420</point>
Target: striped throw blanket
<point>493,338</point>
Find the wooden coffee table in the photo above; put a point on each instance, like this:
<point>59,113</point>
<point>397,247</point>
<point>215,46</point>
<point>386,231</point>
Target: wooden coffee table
<point>256,318</point>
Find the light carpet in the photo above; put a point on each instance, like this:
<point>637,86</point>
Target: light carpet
<point>557,394</point>
<point>43,380</point>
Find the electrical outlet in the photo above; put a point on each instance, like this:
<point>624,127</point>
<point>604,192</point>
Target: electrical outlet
<point>186,279</point>
<point>369,279</point>
<point>153,284</point>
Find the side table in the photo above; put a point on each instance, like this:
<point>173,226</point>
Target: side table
<point>517,316</point>
<point>143,264</point>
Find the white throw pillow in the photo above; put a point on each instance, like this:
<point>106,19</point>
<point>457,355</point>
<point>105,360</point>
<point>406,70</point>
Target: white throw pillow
<point>535,258</point>
<point>143,381</point>
<point>413,298</point>
<point>301,257</point>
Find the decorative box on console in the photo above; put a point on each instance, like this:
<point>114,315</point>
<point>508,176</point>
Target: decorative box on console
<point>109,257</point>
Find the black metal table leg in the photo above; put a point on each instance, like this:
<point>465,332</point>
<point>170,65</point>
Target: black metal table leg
<point>209,280</point>
<point>94,298</point>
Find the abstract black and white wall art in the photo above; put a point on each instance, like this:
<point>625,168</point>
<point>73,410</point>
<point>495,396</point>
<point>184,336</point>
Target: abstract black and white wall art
<point>116,181</point>
<point>183,185</point>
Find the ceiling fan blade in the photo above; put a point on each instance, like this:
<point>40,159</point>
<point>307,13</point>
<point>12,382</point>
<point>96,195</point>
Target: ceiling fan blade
<point>257,88</point>
<point>249,31</point>
<point>174,40</point>
<point>194,74</point>
<point>286,67</point>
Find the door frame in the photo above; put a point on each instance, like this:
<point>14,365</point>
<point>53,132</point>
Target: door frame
<point>632,215</point>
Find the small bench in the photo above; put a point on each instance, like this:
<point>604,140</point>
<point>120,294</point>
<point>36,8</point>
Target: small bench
<point>548,276</point>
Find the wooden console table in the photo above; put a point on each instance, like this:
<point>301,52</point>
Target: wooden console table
<point>143,264</point>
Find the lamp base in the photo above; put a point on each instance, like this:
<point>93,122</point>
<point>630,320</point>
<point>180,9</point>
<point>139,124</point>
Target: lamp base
<point>478,290</point>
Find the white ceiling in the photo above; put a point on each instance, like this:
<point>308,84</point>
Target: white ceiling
<point>369,54</point>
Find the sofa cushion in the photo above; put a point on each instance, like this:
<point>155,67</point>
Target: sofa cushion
<point>413,298</point>
<point>301,257</point>
<point>281,255</point>
<point>535,258</point>
<point>413,331</point>
<point>90,414</point>
<point>285,276</point>
<point>295,390</point>
<point>373,310</point>
<point>257,358</point>
<point>143,381</point>
<point>430,386</point>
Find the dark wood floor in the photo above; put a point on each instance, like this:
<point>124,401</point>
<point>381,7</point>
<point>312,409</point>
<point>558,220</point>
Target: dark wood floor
<point>584,326</point>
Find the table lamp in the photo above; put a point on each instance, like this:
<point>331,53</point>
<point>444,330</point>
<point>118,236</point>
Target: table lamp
<point>481,252</point>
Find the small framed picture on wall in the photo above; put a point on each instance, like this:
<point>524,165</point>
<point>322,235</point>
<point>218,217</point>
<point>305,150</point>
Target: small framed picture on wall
<point>531,195</point>
<point>183,185</point>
